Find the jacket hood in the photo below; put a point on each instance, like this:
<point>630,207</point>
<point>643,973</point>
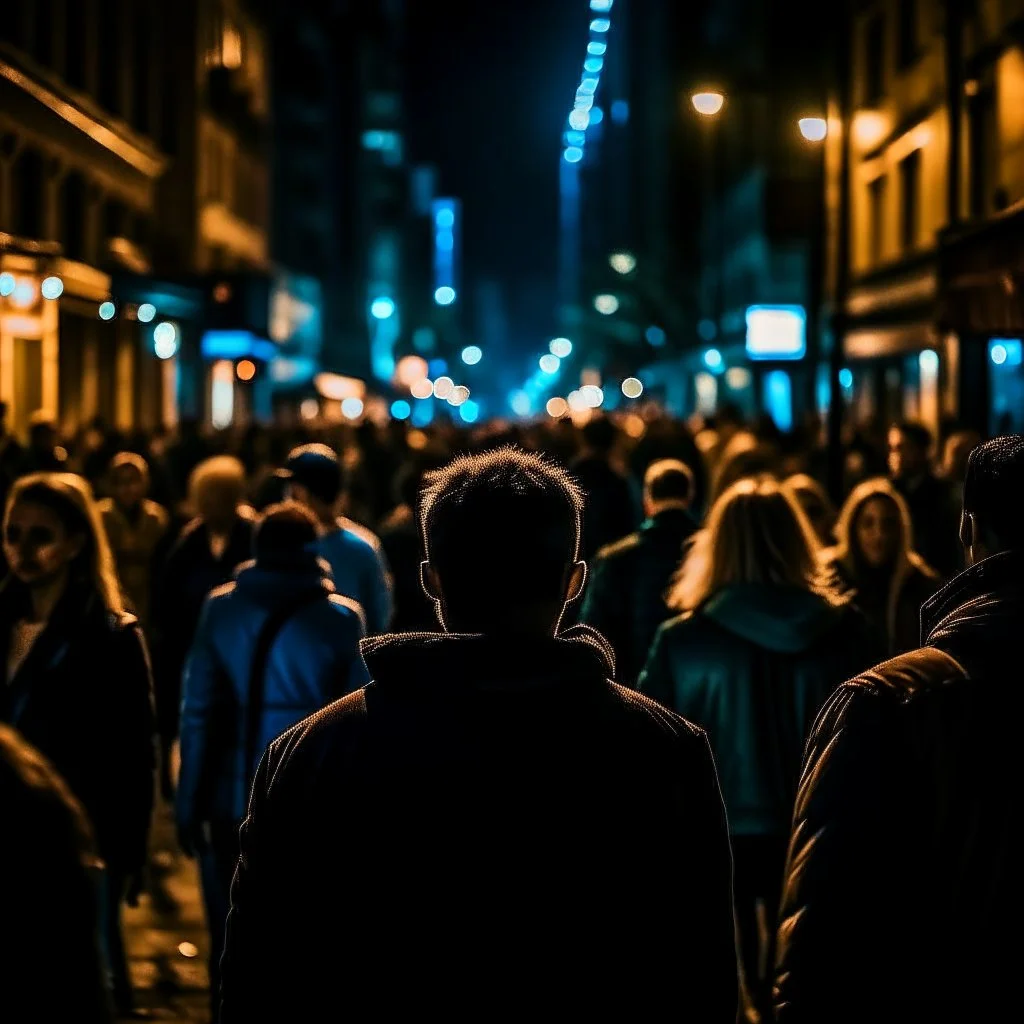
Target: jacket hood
<point>276,583</point>
<point>779,618</point>
<point>497,663</point>
<point>980,612</point>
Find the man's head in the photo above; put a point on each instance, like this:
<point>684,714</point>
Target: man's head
<point>315,478</point>
<point>909,443</point>
<point>501,533</point>
<point>129,479</point>
<point>216,490</point>
<point>668,483</point>
<point>994,498</point>
<point>599,435</point>
<point>284,536</point>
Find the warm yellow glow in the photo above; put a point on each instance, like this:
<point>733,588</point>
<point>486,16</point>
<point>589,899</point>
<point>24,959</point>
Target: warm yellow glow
<point>246,369</point>
<point>309,409</point>
<point>971,87</point>
<point>422,388</point>
<point>634,425</point>
<point>869,128</point>
<point>231,48</point>
<point>443,387</point>
<point>922,136</point>
<point>632,387</point>
<point>813,129</point>
<point>557,407</point>
<point>337,388</point>
<point>417,440</point>
<point>459,395</point>
<point>409,370</point>
<point>707,103</point>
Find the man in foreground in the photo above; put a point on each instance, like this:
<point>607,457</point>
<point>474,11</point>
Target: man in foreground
<point>904,886</point>
<point>491,827</point>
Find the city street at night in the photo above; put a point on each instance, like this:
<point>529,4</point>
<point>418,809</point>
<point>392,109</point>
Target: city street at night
<point>510,510</point>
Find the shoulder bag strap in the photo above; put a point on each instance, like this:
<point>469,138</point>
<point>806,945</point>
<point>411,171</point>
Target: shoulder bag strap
<point>258,669</point>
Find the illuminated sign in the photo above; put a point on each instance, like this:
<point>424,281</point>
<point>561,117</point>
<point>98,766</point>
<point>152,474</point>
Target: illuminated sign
<point>236,345</point>
<point>776,332</point>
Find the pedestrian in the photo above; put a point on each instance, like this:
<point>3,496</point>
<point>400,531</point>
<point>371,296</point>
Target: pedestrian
<point>875,556</point>
<point>816,505</point>
<point>211,547</point>
<point>78,684</point>
<point>355,556</point>
<point>625,599</point>
<point>135,528</point>
<point>491,825</point>
<point>49,947</point>
<point>904,840</point>
<point>272,647</point>
<point>763,639</point>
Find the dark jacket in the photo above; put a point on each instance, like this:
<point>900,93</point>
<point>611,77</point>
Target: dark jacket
<point>934,506</point>
<point>904,882</point>
<point>625,599</point>
<point>315,659</point>
<point>753,666</point>
<point>611,510</point>
<point>489,826</point>
<point>190,573</point>
<point>82,697</point>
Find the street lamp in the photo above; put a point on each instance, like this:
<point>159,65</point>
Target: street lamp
<point>707,103</point>
<point>813,129</point>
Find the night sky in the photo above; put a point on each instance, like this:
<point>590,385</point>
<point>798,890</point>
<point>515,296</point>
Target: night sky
<point>489,86</point>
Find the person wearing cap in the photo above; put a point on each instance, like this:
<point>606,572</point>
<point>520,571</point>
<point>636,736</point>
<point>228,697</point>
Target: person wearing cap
<point>135,528</point>
<point>273,646</point>
<point>357,561</point>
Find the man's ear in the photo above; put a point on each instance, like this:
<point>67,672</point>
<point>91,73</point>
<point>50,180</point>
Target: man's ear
<point>429,581</point>
<point>577,581</point>
<point>968,530</point>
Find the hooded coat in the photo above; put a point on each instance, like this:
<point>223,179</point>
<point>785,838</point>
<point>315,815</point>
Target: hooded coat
<point>752,666</point>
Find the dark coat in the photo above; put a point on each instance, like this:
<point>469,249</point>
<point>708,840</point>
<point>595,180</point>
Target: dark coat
<point>935,512</point>
<point>611,510</point>
<point>188,576</point>
<point>625,600</point>
<point>83,698</point>
<point>753,666</point>
<point>314,660</point>
<point>904,880</point>
<point>488,827</point>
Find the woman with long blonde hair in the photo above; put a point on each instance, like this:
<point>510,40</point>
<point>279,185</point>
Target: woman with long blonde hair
<point>763,638</point>
<point>875,556</point>
<point>77,680</point>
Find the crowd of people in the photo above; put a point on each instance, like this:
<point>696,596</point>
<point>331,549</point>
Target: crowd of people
<point>583,711</point>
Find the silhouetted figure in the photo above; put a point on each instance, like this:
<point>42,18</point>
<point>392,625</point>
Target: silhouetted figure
<point>205,556</point>
<point>78,683</point>
<point>816,505</point>
<point>49,945</point>
<point>272,647</point>
<point>43,454</point>
<point>905,835</point>
<point>490,825</point>
<point>610,512</point>
<point>625,599</point>
<point>354,554</point>
<point>874,555</point>
<point>934,509</point>
<point>763,640</point>
<point>136,528</point>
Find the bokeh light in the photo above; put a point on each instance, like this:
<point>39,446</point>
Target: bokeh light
<point>561,347</point>
<point>352,408</point>
<point>632,387</point>
<point>573,154</point>
<point>146,312</point>
<point>713,359</point>
<point>401,409</point>
<point>423,388</point>
<point>557,407</point>
<point>445,295</point>
<point>443,387</point>
<point>107,310</point>
<point>6,284</point>
<point>309,409</point>
<point>707,103</point>
<point>622,262</point>
<point>521,404</point>
<point>382,307</point>
<point>606,304</point>
<point>469,411</point>
<point>459,395</point>
<point>52,287</point>
<point>246,369</point>
<point>549,364</point>
<point>472,354</point>
<point>813,129</point>
<point>165,340</point>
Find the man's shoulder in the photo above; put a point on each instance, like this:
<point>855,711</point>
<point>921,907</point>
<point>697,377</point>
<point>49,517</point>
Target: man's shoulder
<point>640,712</point>
<point>330,728</point>
<point>620,551</point>
<point>909,676</point>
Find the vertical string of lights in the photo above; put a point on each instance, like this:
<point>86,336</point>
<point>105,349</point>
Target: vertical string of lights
<point>584,115</point>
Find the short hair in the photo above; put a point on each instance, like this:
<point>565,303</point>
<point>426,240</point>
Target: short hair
<point>317,468</point>
<point>219,471</point>
<point>284,533</point>
<point>915,432</point>
<point>501,530</point>
<point>130,460</point>
<point>669,480</point>
<point>994,488</point>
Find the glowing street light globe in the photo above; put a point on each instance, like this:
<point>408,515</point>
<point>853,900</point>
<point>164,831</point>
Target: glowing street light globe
<point>52,287</point>
<point>549,363</point>
<point>472,354</point>
<point>146,312</point>
<point>561,347</point>
<point>813,129</point>
<point>707,104</point>
<point>606,304</point>
<point>632,387</point>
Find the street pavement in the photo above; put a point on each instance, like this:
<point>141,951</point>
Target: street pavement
<point>166,937</point>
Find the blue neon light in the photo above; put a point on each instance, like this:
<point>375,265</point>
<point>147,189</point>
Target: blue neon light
<point>778,398</point>
<point>600,25</point>
<point>445,295</point>
<point>596,115</point>
<point>469,411</point>
<point>596,47</point>
<point>236,345</point>
<point>573,138</point>
<point>573,155</point>
<point>593,64</point>
<point>401,409</point>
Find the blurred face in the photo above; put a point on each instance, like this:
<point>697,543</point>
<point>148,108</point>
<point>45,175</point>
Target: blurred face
<point>127,487</point>
<point>906,459</point>
<point>218,505</point>
<point>877,532</point>
<point>37,546</point>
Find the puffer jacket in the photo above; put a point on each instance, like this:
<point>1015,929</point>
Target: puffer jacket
<point>904,886</point>
<point>314,660</point>
<point>753,666</point>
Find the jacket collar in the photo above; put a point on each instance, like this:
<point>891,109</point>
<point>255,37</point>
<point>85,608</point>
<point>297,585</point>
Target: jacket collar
<point>676,520</point>
<point>459,660</point>
<point>991,581</point>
